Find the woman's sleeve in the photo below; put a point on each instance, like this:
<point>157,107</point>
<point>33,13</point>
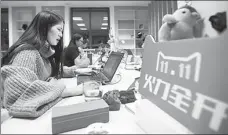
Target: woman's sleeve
<point>69,72</point>
<point>25,95</point>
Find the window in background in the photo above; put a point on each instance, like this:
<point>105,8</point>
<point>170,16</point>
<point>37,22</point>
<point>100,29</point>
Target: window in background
<point>157,10</point>
<point>57,9</point>
<point>4,30</point>
<point>92,23</point>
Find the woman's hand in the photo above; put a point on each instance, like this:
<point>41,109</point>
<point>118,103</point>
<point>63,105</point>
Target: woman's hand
<point>73,91</point>
<point>57,82</point>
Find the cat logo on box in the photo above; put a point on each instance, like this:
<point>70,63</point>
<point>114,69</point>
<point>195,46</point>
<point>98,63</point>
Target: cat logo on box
<point>183,65</point>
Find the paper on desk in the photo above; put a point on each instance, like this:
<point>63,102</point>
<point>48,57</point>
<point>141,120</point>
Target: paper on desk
<point>131,107</point>
<point>4,115</point>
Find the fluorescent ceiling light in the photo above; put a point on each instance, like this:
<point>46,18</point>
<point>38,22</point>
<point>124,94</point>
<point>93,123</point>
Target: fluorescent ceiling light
<point>83,29</point>
<point>105,18</point>
<point>80,24</point>
<point>77,18</point>
<point>103,28</point>
<point>104,24</point>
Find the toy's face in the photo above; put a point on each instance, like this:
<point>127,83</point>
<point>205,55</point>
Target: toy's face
<point>185,15</point>
<point>182,14</point>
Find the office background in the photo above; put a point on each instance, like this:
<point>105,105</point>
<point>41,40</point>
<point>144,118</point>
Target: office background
<point>125,20</point>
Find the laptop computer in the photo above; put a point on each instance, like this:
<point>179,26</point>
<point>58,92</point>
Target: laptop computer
<point>107,73</point>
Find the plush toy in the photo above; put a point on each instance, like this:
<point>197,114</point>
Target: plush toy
<point>184,23</point>
<point>218,21</point>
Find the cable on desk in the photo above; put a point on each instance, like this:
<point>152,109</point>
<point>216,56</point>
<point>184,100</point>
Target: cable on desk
<point>110,83</point>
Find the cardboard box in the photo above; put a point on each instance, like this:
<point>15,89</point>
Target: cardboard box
<point>73,117</point>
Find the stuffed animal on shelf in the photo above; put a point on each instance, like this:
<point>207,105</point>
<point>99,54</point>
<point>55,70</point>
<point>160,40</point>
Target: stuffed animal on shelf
<point>184,23</point>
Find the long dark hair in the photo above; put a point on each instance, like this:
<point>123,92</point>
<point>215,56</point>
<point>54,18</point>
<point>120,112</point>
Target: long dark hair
<point>36,35</point>
<point>75,37</point>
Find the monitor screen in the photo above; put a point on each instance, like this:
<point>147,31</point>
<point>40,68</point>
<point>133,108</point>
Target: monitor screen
<point>112,64</point>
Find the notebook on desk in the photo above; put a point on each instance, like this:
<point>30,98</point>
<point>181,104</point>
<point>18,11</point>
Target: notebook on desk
<point>107,73</point>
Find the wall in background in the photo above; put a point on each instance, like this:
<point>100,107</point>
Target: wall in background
<point>68,5</point>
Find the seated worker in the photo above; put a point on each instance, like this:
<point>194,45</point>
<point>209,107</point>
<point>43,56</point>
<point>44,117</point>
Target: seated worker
<point>32,68</point>
<point>86,41</point>
<point>74,54</point>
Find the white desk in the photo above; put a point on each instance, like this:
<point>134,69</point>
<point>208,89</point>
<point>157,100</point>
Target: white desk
<point>121,121</point>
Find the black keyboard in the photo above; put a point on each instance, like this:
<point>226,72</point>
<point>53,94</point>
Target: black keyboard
<point>99,77</point>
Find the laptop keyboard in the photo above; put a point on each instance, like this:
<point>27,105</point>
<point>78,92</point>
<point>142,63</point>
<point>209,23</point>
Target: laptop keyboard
<point>99,77</point>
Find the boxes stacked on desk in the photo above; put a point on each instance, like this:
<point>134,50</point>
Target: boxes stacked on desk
<point>72,117</point>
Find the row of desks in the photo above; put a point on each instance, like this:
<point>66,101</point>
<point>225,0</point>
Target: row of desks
<point>122,121</point>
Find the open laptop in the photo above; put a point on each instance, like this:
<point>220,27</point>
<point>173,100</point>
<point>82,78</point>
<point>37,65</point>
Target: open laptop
<point>107,73</point>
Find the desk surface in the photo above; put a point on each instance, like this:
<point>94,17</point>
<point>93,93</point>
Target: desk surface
<point>122,121</point>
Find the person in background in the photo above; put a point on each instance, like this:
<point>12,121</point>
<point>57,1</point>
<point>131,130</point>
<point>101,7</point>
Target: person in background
<point>74,56</point>
<point>32,68</point>
<point>86,41</point>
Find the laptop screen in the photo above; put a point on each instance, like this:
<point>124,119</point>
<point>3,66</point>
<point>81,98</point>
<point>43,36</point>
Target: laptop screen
<point>112,64</point>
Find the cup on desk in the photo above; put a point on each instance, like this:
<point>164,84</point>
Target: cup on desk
<point>92,91</point>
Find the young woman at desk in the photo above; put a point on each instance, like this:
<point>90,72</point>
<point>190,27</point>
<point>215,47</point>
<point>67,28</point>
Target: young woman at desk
<point>74,54</point>
<point>31,65</point>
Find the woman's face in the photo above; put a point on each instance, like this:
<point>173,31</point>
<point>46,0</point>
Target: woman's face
<point>55,33</point>
<point>79,42</point>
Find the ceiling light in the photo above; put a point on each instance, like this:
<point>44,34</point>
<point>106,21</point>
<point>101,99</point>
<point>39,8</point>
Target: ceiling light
<point>77,18</point>
<point>83,29</point>
<point>104,28</point>
<point>80,24</point>
<point>104,24</point>
<point>105,18</point>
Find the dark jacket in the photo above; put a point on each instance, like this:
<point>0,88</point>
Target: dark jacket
<point>70,53</point>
